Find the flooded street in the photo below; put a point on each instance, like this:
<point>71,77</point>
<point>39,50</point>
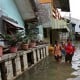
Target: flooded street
<point>48,69</point>
<point>76,63</point>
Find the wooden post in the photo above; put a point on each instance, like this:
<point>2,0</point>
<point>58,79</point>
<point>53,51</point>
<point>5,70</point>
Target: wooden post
<point>41,54</point>
<point>25,61</point>
<point>44,52</point>
<point>35,56</point>
<point>18,64</point>
<point>47,53</point>
<point>38,54</point>
<point>8,65</point>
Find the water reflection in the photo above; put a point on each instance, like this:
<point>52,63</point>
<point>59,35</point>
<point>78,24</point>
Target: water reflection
<point>76,63</point>
<point>48,69</point>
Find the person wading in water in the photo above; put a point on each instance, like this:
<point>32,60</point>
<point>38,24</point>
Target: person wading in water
<point>57,52</point>
<point>69,49</point>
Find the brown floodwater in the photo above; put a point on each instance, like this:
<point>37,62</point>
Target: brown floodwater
<point>48,69</point>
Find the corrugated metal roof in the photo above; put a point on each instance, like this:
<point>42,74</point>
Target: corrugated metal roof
<point>59,25</point>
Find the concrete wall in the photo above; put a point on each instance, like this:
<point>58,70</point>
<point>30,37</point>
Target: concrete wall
<point>14,64</point>
<point>9,9</point>
<point>45,14</point>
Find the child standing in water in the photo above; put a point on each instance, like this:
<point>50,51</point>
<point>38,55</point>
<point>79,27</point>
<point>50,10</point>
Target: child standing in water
<point>57,52</point>
<point>63,48</point>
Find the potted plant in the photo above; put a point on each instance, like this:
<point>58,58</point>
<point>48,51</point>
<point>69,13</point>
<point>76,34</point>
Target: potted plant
<point>13,40</point>
<point>32,43</point>
<point>25,42</point>
<point>32,37</point>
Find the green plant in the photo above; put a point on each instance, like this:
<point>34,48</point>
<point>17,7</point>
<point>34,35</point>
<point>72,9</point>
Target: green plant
<point>25,39</point>
<point>13,39</point>
<point>32,34</point>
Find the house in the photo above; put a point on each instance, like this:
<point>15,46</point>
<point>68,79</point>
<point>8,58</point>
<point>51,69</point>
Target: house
<point>74,26</point>
<point>31,15</point>
<point>22,15</point>
<point>10,18</point>
<point>57,26</point>
<point>29,12</point>
<point>45,17</point>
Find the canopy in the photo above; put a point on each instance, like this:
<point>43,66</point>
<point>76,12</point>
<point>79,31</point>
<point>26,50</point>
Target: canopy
<point>60,25</point>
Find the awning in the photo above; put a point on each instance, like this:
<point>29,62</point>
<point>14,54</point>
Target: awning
<point>60,25</point>
<point>15,25</point>
<point>62,29</point>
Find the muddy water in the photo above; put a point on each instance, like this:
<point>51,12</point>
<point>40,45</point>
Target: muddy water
<point>48,69</point>
<point>76,63</point>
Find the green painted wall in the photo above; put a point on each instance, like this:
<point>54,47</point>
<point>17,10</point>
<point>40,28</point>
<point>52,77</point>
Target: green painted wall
<point>9,8</point>
<point>40,29</point>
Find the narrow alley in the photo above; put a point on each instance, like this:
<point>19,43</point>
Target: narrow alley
<point>28,29</point>
<point>48,69</point>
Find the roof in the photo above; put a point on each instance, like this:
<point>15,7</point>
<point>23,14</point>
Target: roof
<point>72,20</point>
<point>15,25</point>
<point>25,8</point>
<point>60,25</point>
